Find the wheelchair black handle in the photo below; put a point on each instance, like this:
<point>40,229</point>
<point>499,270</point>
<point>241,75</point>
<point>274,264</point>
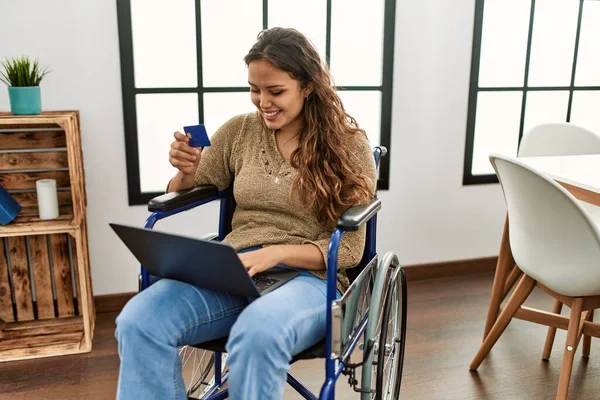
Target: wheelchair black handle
<point>174,200</point>
<point>355,216</point>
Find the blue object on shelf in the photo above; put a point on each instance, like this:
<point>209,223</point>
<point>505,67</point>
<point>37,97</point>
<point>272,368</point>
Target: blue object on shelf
<point>25,100</point>
<point>9,208</point>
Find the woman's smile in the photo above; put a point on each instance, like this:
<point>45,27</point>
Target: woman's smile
<point>271,115</point>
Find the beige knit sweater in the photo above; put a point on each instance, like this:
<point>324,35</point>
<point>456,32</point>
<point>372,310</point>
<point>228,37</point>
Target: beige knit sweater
<point>244,153</point>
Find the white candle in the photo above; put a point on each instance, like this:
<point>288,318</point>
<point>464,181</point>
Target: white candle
<point>47,198</point>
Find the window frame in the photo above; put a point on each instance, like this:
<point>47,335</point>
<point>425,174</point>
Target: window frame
<point>129,91</point>
<point>474,90</point>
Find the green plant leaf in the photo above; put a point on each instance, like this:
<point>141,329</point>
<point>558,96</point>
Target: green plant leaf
<point>21,71</point>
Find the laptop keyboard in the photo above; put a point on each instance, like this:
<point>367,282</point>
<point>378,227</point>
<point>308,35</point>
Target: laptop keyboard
<point>262,282</point>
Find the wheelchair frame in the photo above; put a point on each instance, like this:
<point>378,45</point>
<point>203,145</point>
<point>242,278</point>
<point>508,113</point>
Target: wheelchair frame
<point>334,355</point>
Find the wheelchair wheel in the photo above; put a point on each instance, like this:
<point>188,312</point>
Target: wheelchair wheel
<point>197,367</point>
<point>380,365</point>
<point>392,339</point>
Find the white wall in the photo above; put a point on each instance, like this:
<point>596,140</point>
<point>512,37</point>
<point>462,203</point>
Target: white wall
<point>428,215</point>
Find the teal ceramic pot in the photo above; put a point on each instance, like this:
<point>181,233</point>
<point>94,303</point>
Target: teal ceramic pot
<point>25,100</point>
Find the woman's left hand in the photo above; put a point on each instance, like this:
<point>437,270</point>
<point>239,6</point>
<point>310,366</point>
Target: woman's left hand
<point>262,259</point>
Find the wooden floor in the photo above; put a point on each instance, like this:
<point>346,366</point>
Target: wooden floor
<point>445,324</point>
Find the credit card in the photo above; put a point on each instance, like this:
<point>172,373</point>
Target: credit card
<point>197,134</point>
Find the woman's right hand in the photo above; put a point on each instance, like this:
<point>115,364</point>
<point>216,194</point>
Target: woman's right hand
<point>182,156</point>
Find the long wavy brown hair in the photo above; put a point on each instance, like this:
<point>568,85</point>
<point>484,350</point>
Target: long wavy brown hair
<point>326,180</point>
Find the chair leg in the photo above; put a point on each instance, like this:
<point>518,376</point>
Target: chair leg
<point>505,262</point>
<point>514,275</point>
<point>570,348</point>
<point>556,309</point>
<point>524,288</point>
<point>587,340</point>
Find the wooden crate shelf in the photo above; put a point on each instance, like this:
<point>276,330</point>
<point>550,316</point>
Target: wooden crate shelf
<point>46,304</point>
<point>42,338</point>
<point>32,224</point>
<point>40,333</point>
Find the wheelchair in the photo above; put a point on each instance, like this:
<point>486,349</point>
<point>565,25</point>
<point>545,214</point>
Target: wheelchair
<point>370,316</point>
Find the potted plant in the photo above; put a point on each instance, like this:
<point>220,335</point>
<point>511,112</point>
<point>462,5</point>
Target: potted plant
<point>23,78</point>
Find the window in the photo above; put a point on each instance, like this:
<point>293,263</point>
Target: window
<point>182,64</point>
<point>534,61</point>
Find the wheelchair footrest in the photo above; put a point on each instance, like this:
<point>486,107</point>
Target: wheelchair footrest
<point>350,372</point>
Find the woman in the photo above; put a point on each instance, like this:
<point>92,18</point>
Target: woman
<point>297,164</point>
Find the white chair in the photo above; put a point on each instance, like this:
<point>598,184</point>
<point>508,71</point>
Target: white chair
<point>556,244</point>
<point>558,139</point>
<point>554,139</point>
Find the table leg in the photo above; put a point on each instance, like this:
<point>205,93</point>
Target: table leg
<point>505,263</point>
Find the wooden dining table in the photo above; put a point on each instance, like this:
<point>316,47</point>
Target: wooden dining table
<point>580,175</point>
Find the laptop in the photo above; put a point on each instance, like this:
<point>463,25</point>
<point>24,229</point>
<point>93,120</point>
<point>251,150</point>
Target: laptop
<point>203,263</point>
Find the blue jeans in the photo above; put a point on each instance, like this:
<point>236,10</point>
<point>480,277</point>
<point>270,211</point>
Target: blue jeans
<point>264,333</point>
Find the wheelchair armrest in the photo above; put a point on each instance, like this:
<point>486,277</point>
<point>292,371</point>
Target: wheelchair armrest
<point>355,216</point>
<point>171,201</point>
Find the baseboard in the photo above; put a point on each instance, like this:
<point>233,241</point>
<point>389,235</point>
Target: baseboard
<point>450,268</point>
<point>116,302</point>
<point>112,302</point>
